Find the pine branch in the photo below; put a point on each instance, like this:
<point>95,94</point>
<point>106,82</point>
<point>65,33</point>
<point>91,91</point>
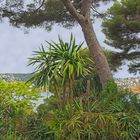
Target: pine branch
<point>73,10</point>
<point>42,3</point>
<point>99,14</point>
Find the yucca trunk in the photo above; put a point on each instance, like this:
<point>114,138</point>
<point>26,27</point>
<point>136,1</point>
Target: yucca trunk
<point>57,92</point>
<point>88,95</point>
<point>71,95</point>
<point>64,96</point>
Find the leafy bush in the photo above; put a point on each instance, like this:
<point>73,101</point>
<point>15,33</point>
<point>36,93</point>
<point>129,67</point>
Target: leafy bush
<point>16,100</point>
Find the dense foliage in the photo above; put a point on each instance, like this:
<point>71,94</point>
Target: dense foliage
<point>113,114</point>
<point>43,13</point>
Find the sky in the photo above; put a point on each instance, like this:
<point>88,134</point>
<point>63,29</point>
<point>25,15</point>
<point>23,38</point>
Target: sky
<point>16,46</point>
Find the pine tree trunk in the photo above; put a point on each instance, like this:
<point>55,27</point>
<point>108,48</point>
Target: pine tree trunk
<point>83,18</point>
<point>96,52</point>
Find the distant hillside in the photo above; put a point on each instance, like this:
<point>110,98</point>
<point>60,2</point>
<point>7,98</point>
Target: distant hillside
<point>124,82</point>
<point>15,76</point>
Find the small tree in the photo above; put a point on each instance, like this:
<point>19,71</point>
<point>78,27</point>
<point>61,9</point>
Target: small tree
<point>64,61</point>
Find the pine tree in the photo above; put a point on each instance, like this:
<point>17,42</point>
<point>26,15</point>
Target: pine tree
<point>122,30</point>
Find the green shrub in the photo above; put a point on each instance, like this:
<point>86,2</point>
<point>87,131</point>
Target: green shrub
<point>16,100</point>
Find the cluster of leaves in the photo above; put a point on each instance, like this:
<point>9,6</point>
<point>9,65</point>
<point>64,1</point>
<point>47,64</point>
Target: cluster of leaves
<point>63,59</point>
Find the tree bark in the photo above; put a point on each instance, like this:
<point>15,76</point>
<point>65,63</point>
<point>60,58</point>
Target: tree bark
<point>71,96</point>
<point>88,95</point>
<point>64,96</point>
<point>57,93</point>
<point>56,89</point>
<point>96,52</point>
<point>83,18</point>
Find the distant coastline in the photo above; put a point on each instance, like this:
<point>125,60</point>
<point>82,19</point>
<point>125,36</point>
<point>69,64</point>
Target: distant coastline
<point>125,82</point>
<point>15,76</point>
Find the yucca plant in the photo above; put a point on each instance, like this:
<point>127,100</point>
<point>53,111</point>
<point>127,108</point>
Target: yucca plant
<point>70,62</point>
<point>63,60</point>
